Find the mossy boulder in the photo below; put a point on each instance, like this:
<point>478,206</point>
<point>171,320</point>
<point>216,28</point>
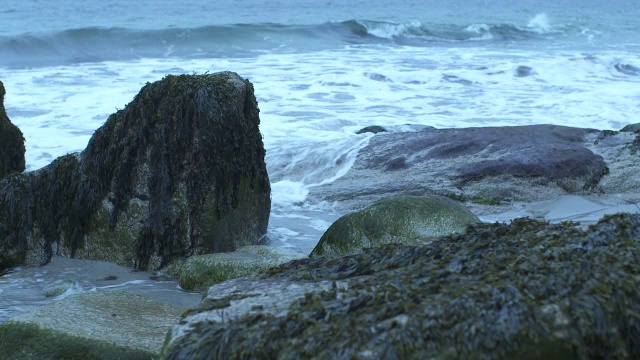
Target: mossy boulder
<point>11,143</point>
<point>57,288</point>
<point>631,128</point>
<point>94,325</point>
<point>199,272</point>
<point>403,219</point>
<point>179,171</point>
<point>524,290</point>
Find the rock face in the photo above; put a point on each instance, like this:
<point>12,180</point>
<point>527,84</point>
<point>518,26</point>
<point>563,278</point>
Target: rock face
<point>405,219</point>
<point>11,143</point>
<point>179,171</point>
<point>94,325</point>
<point>525,290</point>
<point>525,163</point>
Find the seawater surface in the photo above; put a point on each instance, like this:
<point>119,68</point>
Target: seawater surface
<point>322,71</point>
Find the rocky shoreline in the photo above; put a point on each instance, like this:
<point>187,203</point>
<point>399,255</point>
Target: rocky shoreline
<point>490,169</point>
<point>176,182</point>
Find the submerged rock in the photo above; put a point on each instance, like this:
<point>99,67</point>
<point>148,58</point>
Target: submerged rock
<point>93,325</point>
<point>179,171</point>
<point>525,290</point>
<point>404,219</point>
<point>199,272</point>
<point>11,143</point>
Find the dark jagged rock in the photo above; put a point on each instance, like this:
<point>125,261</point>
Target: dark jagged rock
<point>524,163</point>
<point>179,171</point>
<point>525,290</point>
<point>11,143</point>
<point>404,219</point>
<point>371,129</point>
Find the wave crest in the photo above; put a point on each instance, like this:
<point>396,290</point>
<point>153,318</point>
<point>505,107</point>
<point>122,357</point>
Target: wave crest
<point>241,40</point>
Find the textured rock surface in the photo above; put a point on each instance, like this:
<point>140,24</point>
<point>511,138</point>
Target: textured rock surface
<point>526,290</point>
<point>631,128</point>
<point>371,129</point>
<point>199,272</point>
<point>404,219</point>
<point>179,171</point>
<point>11,143</point>
<point>93,325</point>
<point>521,163</point>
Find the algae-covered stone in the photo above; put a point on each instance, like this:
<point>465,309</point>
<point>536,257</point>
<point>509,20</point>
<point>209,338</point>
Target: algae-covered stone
<point>179,171</point>
<point>57,288</point>
<point>11,143</point>
<point>404,219</point>
<point>94,325</point>
<point>631,128</point>
<point>525,290</point>
<point>201,271</point>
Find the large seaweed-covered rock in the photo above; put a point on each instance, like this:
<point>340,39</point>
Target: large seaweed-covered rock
<point>525,290</point>
<point>179,171</point>
<point>404,219</point>
<point>11,143</point>
<point>93,325</point>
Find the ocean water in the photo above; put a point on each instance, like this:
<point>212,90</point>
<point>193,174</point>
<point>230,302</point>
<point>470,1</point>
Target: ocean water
<point>322,70</point>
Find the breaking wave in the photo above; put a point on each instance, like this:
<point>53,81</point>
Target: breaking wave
<point>117,44</point>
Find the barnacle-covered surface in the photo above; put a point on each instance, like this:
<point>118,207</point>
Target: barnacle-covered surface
<point>525,290</point>
<point>179,171</point>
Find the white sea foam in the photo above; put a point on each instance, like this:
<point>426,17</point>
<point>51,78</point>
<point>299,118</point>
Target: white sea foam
<point>540,23</point>
<point>390,30</point>
<point>288,193</point>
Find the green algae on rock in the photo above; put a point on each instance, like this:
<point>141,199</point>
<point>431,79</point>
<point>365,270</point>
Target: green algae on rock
<point>405,219</point>
<point>631,128</point>
<point>179,171</point>
<point>525,290</point>
<point>11,143</point>
<point>92,325</point>
<point>199,272</point>
<point>57,288</point>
